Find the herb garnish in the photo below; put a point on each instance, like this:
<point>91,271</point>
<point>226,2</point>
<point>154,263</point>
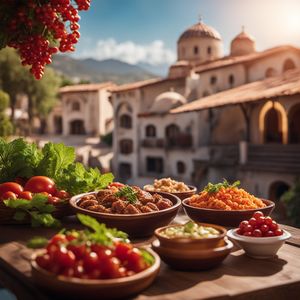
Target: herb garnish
<point>214,188</point>
<point>37,209</point>
<point>129,193</point>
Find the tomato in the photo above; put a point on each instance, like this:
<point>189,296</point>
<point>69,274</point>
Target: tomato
<point>78,250</point>
<point>43,261</point>
<point>278,232</point>
<point>239,231</point>
<point>257,233</point>
<point>110,268</point>
<point>58,239</point>
<point>8,195</point>
<point>269,233</point>
<point>247,233</point>
<point>102,251</point>
<point>248,228</point>
<point>39,184</point>
<point>274,226</point>
<point>264,228</point>
<point>135,261</point>
<point>10,187</point>
<point>268,221</point>
<point>25,195</point>
<point>260,220</point>
<point>65,258</point>
<point>91,261</point>
<point>62,194</point>
<point>122,250</point>
<point>78,269</point>
<point>252,222</point>
<point>53,200</point>
<point>258,214</point>
<point>243,224</point>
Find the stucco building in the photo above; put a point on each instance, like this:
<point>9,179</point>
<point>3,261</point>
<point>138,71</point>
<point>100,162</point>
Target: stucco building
<point>213,116</point>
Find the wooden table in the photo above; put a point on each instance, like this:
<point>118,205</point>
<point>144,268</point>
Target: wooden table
<point>239,277</point>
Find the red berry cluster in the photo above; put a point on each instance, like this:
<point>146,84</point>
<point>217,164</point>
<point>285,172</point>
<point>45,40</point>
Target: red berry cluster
<point>38,29</point>
<point>259,226</point>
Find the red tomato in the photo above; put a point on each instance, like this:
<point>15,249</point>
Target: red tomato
<point>62,194</point>
<point>252,222</point>
<point>269,233</point>
<point>264,228</point>
<point>274,226</point>
<point>78,250</point>
<point>248,228</point>
<point>239,231</point>
<point>43,261</point>
<point>258,214</point>
<point>247,233</point>
<point>135,261</point>
<point>65,258</point>
<point>243,224</point>
<point>10,187</point>
<point>278,232</point>
<point>39,184</point>
<point>78,269</point>
<point>25,195</point>
<point>53,200</point>
<point>260,220</point>
<point>122,250</point>
<point>58,239</point>
<point>257,233</point>
<point>268,221</point>
<point>9,195</point>
<point>91,261</point>
<point>110,268</point>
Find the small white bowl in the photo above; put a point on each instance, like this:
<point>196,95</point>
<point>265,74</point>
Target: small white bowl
<point>259,247</point>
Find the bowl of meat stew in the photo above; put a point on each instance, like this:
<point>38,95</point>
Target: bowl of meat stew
<point>129,209</point>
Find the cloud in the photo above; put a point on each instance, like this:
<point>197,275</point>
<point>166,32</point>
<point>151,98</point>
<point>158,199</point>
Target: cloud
<point>154,53</point>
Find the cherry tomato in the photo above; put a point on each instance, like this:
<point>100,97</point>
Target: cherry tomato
<point>264,228</point>
<point>258,214</point>
<point>278,232</point>
<point>248,228</point>
<point>268,221</point>
<point>135,261</point>
<point>274,226</point>
<point>8,195</point>
<point>43,261</point>
<point>65,258</point>
<point>102,251</point>
<point>122,250</point>
<point>39,184</point>
<point>257,233</point>
<point>53,200</point>
<point>10,187</point>
<point>62,194</point>
<point>25,195</point>
<point>247,233</point>
<point>240,231</point>
<point>269,233</point>
<point>252,222</point>
<point>78,269</point>
<point>91,261</point>
<point>243,224</point>
<point>110,268</point>
<point>78,250</point>
<point>260,220</point>
<point>58,239</point>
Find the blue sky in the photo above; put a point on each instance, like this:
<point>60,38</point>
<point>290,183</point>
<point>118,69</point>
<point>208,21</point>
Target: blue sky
<point>147,30</point>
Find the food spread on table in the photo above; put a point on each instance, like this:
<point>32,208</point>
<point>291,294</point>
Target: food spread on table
<point>225,196</point>
<point>189,230</point>
<point>124,199</point>
<point>167,185</point>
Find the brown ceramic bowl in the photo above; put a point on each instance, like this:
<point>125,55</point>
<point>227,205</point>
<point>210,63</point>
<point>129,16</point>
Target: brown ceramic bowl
<point>192,260</point>
<point>104,288</point>
<point>180,195</point>
<point>230,218</point>
<point>139,225</point>
<point>190,243</point>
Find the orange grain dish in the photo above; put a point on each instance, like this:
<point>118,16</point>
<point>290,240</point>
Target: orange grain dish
<point>226,199</point>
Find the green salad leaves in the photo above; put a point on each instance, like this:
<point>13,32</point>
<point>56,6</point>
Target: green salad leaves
<point>19,158</point>
<point>214,188</point>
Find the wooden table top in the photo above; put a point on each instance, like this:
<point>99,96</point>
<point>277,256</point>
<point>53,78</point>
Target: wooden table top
<point>238,277</point>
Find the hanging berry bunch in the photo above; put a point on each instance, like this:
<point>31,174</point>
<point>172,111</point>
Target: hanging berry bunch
<point>40,28</point>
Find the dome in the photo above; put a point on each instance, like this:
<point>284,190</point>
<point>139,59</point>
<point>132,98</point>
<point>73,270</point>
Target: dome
<point>243,44</point>
<point>200,30</point>
<point>167,101</point>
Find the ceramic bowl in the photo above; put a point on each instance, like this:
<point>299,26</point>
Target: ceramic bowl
<point>93,289</point>
<point>259,247</point>
<point>231,218</point>
<point>189,243</point>
<point>139,225</point>
<point>180,195</point>
<point>190,259</point>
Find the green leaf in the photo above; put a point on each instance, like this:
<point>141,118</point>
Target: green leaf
<point>37,242</point>
<point>89,222</point>
<point>18,203</point>
<point>129,193</point>
<point>214,188</point>
<point>39,201</point>
<point>19,215</point>
<point>47,220</point>
<point>148,258</point>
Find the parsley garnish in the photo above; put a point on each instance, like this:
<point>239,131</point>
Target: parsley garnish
<point>129,193</point>
<point>214,188</point>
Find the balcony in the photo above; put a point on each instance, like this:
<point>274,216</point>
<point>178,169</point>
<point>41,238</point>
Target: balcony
<point>182,141</point>
<point>153,143</point>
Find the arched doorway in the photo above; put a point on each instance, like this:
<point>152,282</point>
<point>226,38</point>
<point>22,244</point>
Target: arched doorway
<point>294,124</point>
<point>276,190</point>
<point>273,132</point>
<point>288,65</point>
<point>77,127</point>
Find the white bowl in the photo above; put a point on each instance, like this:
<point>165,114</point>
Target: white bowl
<point>259,247</point>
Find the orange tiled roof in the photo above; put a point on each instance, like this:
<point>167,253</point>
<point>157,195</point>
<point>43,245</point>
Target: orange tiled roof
<point>89,87</point>
<point>284,85</point>
<point>232,60</point>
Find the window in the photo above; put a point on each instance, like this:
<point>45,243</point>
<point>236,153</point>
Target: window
<point>126,146</point>
<point>270,72</point>
<point>196,50</point>
<point>125,121</point>
<point>209,50</point>
<point>124,171</point>
<point>231,80</point>
<point>76,106</point>
<point>150,131</point>
<point>288,65</point>
<point>180,167</point>
<point>172,135</point>
<point>213,80</point>
<point>155,165</point>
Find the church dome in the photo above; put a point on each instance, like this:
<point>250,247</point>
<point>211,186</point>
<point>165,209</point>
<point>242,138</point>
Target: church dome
<point>167,101</point>
<point>200,30</point>
<point>243,44</point>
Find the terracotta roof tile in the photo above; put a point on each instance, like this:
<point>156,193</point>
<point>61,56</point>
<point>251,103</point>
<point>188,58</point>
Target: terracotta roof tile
<point>89,87</point>
<point>283,85</point>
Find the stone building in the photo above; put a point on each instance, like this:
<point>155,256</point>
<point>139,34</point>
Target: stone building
<point>213,116</point>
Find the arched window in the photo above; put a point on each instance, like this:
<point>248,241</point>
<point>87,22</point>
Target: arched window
<point>273,133</point>
<point>172,135</point>
<point>76,106</point>
<point>213,80</point>
<point>294,124</point>
<point>180,167</point>
<point>288,65</point>
<point>126,146</point>
<point>125,121</point>
<point>150,131</point>
<point>231,80</point>
<point>270,72</point>
<point>209,50</point>
<point>196,50</point>
<point>77,127</point>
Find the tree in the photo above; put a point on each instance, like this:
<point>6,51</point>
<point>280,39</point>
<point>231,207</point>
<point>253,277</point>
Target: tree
<point>6,127</point>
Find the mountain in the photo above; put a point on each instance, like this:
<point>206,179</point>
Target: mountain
<point>160,70</point>
<point>99,70</point>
